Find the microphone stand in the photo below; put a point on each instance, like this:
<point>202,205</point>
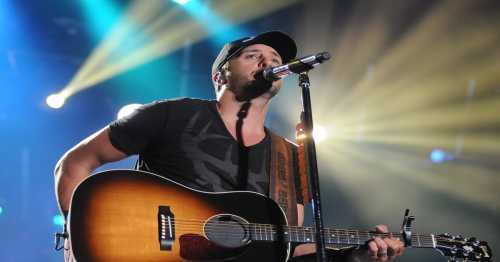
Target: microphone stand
<point>310,154</point>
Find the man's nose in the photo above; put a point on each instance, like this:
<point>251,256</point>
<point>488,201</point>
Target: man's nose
<point>264,63</point>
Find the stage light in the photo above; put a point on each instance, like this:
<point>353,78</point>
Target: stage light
<point>100,15</point>
<point>181,2</point>
<point>150,29</point>
<point>1,210</point>
<point>58,220</point>
<point>439,156</point>
<point>319,133</point>
<point>404,113</point>
<point>127,110</point>
<point>55,101</point>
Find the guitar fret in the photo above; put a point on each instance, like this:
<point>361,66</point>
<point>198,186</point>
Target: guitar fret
<point>329,237</point>
<point>345,237</point>
<point>310,234</point>
<point>303,235</point>
<point>286,234</point>
<point>271,232</point>
<point>265,231</point>
<point>352,238</point>
<point>255,233</point>
<point>333,236</point>
<point>260,232</point>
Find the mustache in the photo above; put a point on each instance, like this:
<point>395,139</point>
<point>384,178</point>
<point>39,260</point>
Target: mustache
<point>254,88</point>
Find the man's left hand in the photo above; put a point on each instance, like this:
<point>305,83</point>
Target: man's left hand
<point>381,249</point>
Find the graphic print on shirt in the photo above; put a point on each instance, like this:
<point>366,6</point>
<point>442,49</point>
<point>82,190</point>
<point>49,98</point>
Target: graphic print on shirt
<point>214,157</point>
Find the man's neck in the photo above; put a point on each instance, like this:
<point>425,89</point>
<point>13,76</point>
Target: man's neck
<point>253,123</point>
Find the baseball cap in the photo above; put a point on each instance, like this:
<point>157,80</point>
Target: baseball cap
<point>281,42</point>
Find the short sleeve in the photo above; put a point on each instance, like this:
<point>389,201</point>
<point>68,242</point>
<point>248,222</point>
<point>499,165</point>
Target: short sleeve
<point>135,132</point>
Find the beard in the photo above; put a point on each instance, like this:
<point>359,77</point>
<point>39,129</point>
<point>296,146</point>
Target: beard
<point>246,90</point>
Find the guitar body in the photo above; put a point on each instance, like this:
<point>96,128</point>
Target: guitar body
<point>116,216</point>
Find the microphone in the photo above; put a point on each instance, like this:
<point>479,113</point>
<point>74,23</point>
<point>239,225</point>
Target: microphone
<point>296,66</point>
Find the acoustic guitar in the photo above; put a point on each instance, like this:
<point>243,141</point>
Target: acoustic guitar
<point>128,215</point>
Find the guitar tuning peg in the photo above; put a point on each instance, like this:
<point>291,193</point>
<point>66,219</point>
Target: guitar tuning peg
<point>475,242</point>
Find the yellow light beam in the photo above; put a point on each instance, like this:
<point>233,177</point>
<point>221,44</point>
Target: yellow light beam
<point>167,33</point>
<point>380,164</point>
<point>136,15</point>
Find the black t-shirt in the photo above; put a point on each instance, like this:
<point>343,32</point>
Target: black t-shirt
<point>186,140</point>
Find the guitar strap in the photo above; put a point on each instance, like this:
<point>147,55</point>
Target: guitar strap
<point>283,176</point>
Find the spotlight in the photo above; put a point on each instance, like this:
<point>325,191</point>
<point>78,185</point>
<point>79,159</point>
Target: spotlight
<point>55,101</point>
<point>181,2</point>
<point>127,110</point>
<point>58,220</point>
<point>319,133</point>
<point>438,156</point>
<point>1,210</point>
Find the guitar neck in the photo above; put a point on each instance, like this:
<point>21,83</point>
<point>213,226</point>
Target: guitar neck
<point>332,236</point>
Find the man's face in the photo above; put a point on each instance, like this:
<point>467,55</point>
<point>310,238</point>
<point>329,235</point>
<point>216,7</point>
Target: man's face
<point>244,68</point>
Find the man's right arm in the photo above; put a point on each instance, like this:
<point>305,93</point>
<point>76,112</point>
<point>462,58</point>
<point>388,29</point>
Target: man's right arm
<point>80,161</point>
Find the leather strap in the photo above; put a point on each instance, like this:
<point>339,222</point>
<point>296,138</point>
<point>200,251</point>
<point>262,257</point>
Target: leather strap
<point>282,177</point>
<point>302,162</point>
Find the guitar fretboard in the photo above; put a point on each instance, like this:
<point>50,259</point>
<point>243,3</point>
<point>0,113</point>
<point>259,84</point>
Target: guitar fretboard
<point>265,232</point>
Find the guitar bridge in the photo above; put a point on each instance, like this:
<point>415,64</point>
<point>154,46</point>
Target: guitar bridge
<point>166,228</point>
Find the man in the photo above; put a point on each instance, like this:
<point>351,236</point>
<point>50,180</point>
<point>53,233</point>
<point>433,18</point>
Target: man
<point>205,144</point>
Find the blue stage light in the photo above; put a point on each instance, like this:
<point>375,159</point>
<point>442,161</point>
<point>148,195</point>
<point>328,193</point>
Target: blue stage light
<point>1,210</point>
<point>181,2</point>
<point>100,15</point>
<point>439,156</point>
<point>222,31</point>
<point>58,220</point>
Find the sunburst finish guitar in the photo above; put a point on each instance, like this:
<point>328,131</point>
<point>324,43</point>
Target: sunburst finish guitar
<point>127,215</point>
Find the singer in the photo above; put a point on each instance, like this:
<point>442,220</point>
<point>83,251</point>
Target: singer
<point>216,146</point>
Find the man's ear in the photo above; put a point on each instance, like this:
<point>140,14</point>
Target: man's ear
<point>219,79</point>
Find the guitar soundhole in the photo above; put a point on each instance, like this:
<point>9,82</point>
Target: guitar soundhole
<point>227,230</point>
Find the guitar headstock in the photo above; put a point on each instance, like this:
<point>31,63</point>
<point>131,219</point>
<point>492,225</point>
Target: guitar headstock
<point>459,248</point>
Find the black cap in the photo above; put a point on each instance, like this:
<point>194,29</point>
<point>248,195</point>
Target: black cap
<point>281,42</point>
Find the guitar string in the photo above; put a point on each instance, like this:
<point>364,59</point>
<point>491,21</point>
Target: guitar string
<point>273,227</point>
<point>263,230</point>
<point>298,238</point>
<point>298,229</point>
